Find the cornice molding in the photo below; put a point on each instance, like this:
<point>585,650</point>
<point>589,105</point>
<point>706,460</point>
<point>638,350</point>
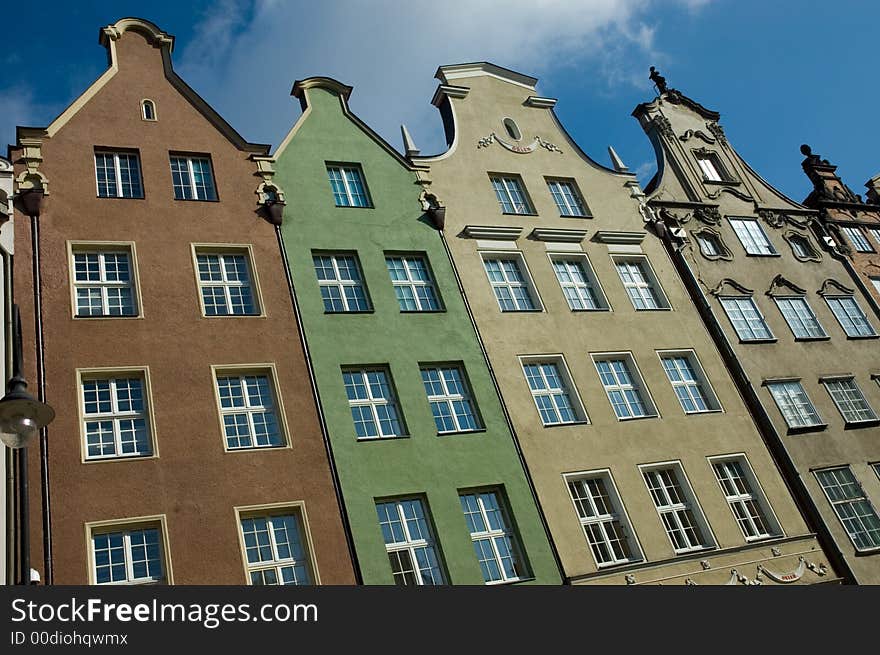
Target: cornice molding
<point>828,288</point>
<point>541,103</point>
<point>628,238</point>
<point>493,232</point>
<point>718,290</point>
<point>558,234</point>
<point>780,282</point>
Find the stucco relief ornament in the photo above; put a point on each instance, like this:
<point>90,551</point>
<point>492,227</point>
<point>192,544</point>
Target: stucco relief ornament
<point>664,126</point>
<point>772,218</point>
<point>708,215</point>
<point>717,131</point>
<point>486,141</point>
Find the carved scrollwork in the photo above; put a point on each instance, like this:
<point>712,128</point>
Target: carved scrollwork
<point>696,133</point>
<point>708,215</point>
<point>664,126</point>
<point>771,217</point>
<point>735,192</point>
<point>486,141</point>
<point>538,142</point>
<point>717,131</point>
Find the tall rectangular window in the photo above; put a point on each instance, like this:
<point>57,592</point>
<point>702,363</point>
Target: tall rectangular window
<point>409,542</point>
<point>689,382</point>
<point>118,175</point>
<point>640,283</point>
<point>274,550</point>
<point>578,283</point>
<point>741,492</point>
<point>567,197</point>
<point>850,316</point>
<point>124,555</point>
<point>746,319</point>
<point>624,390</point>
<point>752,237</point>
<point>710,167</point>
<point>852,506</point>
<point>512,289</point>
<point>450,399</point>
<point>494,542</point>
<point>800,318</point>
<point>850,401</point>
<point>225,282</point>
<point>793,403</point>
<point>342,287</point>
<point>602,519</point>
<point>511,195</point>
<point>413,284</point>
<point>192,178</point>
<point>248,411</point>
<point>347,183</point>
<point>115,416</point>
<point>675,505</point>
<point>858,239</point>
<point>551,389</point>
<point>103,282</point>
<point>373,403</point>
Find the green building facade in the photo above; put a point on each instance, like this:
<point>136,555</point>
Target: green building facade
<point>432,483</point>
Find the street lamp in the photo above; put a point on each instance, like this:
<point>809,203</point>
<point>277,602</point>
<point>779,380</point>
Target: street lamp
<point>21,417</point>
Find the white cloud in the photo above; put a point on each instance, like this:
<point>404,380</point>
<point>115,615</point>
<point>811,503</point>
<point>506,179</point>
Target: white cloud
<point>245,56</point>
<point>17,107</point>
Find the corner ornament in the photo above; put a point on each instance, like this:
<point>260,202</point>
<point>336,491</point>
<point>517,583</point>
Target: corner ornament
<point>486,141</point>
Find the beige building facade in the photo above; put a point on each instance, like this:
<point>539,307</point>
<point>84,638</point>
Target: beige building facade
<point>646,463</point>
<point>798,333</point>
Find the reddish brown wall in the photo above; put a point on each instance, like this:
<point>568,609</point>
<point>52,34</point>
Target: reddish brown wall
<point>193,482</point>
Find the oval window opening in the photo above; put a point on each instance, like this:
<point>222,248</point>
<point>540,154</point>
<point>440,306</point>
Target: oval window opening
<point>149,110</point>
<point>512,129</point>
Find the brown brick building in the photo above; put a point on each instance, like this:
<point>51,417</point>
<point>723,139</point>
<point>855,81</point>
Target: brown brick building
<point>187,446</point>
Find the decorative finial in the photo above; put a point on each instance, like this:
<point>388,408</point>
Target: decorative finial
<point>658,80</point>
<point>409,147</point>
<point>616,161</point>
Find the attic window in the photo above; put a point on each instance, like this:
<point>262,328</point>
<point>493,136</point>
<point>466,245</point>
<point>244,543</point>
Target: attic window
<point>710,166</point>
<point>512,129</point>
<point>148,110</point>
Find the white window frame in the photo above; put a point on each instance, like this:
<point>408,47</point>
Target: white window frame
<point>849,502</point>
<point>710,166</point>
<point>701,380</point>
<point>344,171</point>
<point>569,388</point>
<point>102,249</point>
<point>506,181</point>
<point>798,321</point>
<point>785,394</point>
<point>801,247</point>
<point>152,105</point>
<point>411,544</point>
<point>249,409</point>
<point>874,232</point>
<point>222,251</point>
<point>117,172</point>
<point>751,335</point>
<point>448,398</point>
<point>752,236</point>
<point>581,290</point>
<point>277,563</point>
<point>191,177</point>
<point>857,238</point>
<point>738,501</point>
<point>527,283</point>
<point>637,386</point>
<point>374,402</point>
<point>341,284</point>
<point>689,504</point>
<point>568,198</point>
<point>490,535</point>
<point>875,280</point>
<point>846,400</point>
<point>126,527</point>
<point>705,239</point>
<point>651,284</point>
<point>868,330</point>
<point>115,415</point>
<point>600,526</point>
<point>412,283</point>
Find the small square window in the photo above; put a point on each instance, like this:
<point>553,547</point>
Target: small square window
<point>512,286</point>
<point>373,403</point>
<point>128,554</point>
<point>752,236</point>
<point>495,544</point>
<point>743,494</point>
<point>858,239</point>
<point>511,195</point>
<point>347,184</point>
<point>710,244</point>
<point>850,401</point>
<point>192,178</point>
<point>710,167</point>
<point>852,506</point>
<point>450,398</point>
<point>103,281</point>
<point>413,284</point>
<point>249,409</point>
<point>568,198</point>
<point>677,507</point>
<point>794,405</point>
<point>579,283</point>
<point>746,319</point>
<point>850,316</point>
<point>116,415</point>
<point>275,549</point>
<point>689,382</point>
<point>624,386</point>
<point>226,282</point>
<point>641,284</point>
<point>800,318</point>
<point>341,283</point>
<point>801,247</point>
<point>118,174</point>
<point>409,542</point>
<point>553,390</point>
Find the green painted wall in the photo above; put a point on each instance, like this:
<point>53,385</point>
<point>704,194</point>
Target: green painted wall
<point>425,464</point>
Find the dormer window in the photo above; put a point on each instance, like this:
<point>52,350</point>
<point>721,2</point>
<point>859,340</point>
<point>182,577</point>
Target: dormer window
<point>148,110</point>
<point>710,166</point>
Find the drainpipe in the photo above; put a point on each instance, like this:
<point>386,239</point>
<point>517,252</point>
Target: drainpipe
<point>774,442</point>
<point>325,433</point>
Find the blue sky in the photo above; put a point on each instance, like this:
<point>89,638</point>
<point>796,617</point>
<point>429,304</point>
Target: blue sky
<point>780,72</point>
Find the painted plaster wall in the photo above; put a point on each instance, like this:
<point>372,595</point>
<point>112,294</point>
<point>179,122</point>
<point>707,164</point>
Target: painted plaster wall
<point>423,463</point>
<point>460,179</point>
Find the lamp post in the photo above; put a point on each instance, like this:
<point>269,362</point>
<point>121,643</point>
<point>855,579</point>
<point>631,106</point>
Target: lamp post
<point>21,417</point>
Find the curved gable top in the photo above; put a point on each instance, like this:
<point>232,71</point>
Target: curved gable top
<point>107,37</point>
<point>446,74</point>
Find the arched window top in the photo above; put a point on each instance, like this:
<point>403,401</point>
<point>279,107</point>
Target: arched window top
<point>148,110</point>
<point>512,129</point>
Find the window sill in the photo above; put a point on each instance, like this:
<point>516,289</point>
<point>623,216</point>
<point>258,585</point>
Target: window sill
<point>354,206</point>
<point>251,449</point>
<point>518,214</point>
<point>704,411</point>
<point>772,340</point>
<point>859,337</point>
<point>120,197</point>
<point>721,182</point>
<point>233,316</point>
<point>360,311</point>
<point>867,551</point>
<point>197,199</point>
<point>565,425</point>
<point>691,551</point>
<point>461,432</point>
<point>126,458</point>
<point>422,311</point>
<point>104,317</point>
<point>763,254</point>
<point>654,309</point>
<point>575,216</point>
<point>394,438</point>
<point>497,583</point>
<point>521,311</point>
<point>636,418</point>
<point>598,310</point>
<point>855,425</point>
<point>808,339</point>
<point>804,429</point>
